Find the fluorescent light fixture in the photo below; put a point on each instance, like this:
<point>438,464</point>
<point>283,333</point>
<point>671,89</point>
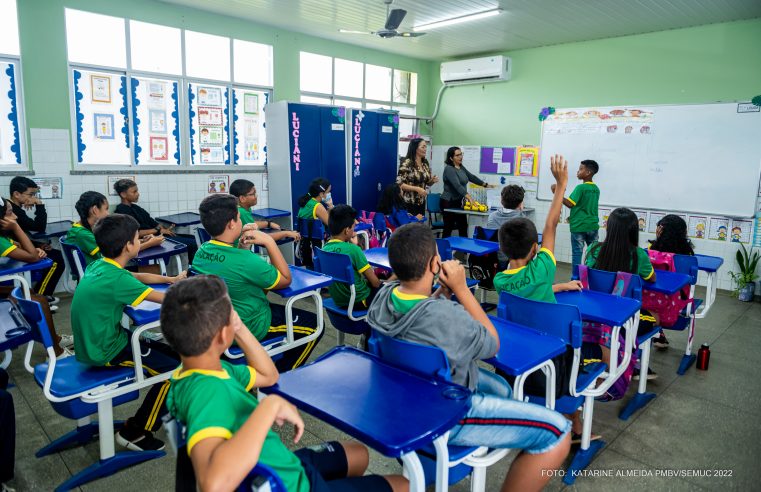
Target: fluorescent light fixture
<point>458,20</point>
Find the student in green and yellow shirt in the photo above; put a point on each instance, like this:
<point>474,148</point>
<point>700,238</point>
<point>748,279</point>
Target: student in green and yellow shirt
<point>249,277</point>
<point>96,312</point>
<point>342,220</point>
<point>531,269</point>
<point>583,203</point>
<point>316,203</point>
<point>228,429</point>
<point>245,192</point>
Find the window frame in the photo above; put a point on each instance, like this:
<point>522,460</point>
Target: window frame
<point>18,80</point>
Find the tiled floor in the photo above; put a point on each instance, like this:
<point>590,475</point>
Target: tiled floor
<point>701,422</point>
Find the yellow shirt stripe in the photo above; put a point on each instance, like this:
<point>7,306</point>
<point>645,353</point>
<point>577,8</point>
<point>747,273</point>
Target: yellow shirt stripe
<point>279,276</point>
<point>7,251</point>
<point>549,253</point>
<point>207,433</point>
<point>251,383</point>
<point>142,296</point>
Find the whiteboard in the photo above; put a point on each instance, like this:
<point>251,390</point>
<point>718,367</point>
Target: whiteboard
<point>703,158</point>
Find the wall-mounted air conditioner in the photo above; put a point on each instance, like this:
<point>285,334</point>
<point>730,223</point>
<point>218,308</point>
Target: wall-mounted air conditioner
<point>476,70</point>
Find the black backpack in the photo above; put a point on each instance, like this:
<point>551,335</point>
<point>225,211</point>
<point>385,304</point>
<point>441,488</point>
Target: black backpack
<point>483,268</point>
<point>307,242</point>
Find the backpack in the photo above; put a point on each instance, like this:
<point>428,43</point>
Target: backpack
<point>601,334</point>
<point>304,251</point>
<point>483,268</point>
<point>369,218</point>
<point>668,306</point>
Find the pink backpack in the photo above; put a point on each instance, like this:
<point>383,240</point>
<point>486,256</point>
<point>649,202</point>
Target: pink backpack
<point>601,334</point>
<point>368,218</point>
<point>667,306</point>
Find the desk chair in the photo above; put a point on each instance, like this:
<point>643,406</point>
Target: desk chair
<point>76,391</point>
<point>201,236</point>
<point>75,260</point>
<point>564,322</point>
<point>312,236</point>
<point>445,252</point>
<point>261,478</point>
<point>345,320</point>
<point>433,204</point>
<point>439,457</point>
<point>382,230</point>
<point>687,265</point>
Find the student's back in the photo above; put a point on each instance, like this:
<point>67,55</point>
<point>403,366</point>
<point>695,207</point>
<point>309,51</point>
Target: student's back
<point>620,252</point>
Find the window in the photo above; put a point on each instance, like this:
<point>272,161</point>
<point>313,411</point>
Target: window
<point>151,108</point>
<point>327,80</point>
<point>12,134</point>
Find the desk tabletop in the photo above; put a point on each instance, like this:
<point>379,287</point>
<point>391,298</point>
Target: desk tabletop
<point>14,330</point>
<point>467,212</point>
<point>521,348</point>
<point>146,311</point>
<point>10,266</point>
<point>303,280</point>
<point>181,219</point>
<point>600,307</point>
<point>390,410</point>
<point>709,264</point>
<point>164,250</point>
<point>54,229</point>
<point>378,257</point>
<point>667,282</point>
<point>477,247</point>
<point>270,213</point>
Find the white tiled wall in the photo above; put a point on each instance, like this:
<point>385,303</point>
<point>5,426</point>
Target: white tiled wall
<point>160,194</point>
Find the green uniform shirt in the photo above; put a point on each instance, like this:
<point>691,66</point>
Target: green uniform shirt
<point>96,310</point>
<point>309,210</point>
<point>6,246</point>
<point>339,291</point>
<point>584,215</point>
<point>247,277</point>
<point>532,281</point>
<point>217,404</point>
<point>644,267</point>
<point>84,239</point>
<point>403,303</point>
<point>246,217</point>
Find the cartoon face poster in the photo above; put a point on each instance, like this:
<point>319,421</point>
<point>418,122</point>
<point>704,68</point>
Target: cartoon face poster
<point>604,214</point>
<point>696,227</point>
<point>641,219</point>
<point>741,231</point>
<point>718,229</point>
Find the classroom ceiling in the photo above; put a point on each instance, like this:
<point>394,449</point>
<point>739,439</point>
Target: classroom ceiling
<point>521,24</point>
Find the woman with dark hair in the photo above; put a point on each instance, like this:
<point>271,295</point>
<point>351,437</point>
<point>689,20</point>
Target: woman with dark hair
<point>414,175</point>
<point>456,179</point>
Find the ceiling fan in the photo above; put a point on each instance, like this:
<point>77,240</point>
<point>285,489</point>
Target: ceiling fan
<point>394,17</point>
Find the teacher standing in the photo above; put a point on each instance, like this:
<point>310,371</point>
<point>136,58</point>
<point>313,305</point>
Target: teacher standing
<point>456,179</point>
<point>414,176</point>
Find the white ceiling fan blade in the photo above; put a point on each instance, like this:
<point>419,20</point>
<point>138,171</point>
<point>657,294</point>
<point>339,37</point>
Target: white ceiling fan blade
<point>412,34</point>
<point>348,31</point>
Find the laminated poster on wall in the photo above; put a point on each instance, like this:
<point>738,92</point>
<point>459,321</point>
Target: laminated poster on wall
<point>159,149</point>
<point>641,219</point>
<point>652,222</point>
<point>111,180</point>
<point>718,228</point>
<point>100,88</point>
<point>219,183</point>
<point>604,213</point>
<point>209,96</point>
<point>696,226</point>
<point>527,161</point>
<point>741,231</point>
<point>757,234</point>
<point>50,188</point>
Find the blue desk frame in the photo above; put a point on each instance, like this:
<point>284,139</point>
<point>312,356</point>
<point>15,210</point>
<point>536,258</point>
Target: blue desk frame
<point>53,229</point>
<point>270,213</point>
<point>710,265</point>
<point>161,253</point>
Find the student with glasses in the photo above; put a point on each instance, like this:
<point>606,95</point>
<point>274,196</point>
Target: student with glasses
<point>456,179</point>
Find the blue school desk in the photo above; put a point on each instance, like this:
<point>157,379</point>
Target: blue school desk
<point>161,254</point>
<point>710,265</point>
<point>183,219</point>
<point>378,257</point>
<point>147,311</point>
<point>270,213</point>
<point>523,351</point>
<point>53,229</point>
<point>19,272</point>
<point>667,282</point>
<point>390,410</point>
<point>477,247</point>
<point>14,332</point>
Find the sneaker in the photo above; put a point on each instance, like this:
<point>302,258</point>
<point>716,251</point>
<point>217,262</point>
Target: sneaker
<point>67,352</point>
<point>661,342</point>
<point>53,308</point>
<point>66,341</point>
<point>576,438</point>
<point>53,300</point>
<point>650,375</point>
<point>145,442</point>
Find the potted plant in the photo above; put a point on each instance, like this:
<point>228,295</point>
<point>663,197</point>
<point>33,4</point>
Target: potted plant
<point>745,286</point>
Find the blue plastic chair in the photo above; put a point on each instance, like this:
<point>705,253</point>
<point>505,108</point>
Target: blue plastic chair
<point>75,259</point>
<point>687,265</point>
<point>76,391</point>
<point>443,464</point>
<point>201,235</point>
<point>344,319</point>
<point>486,234</point>
<point>564,322</point>
<point>433,204</point>
<point>382,231</point>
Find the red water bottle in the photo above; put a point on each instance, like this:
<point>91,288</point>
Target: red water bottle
<point>704,356</point>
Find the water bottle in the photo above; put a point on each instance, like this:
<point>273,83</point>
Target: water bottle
<point>704,356</point>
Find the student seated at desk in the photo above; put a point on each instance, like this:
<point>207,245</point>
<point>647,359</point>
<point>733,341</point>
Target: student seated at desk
<point>343,240</point>
<point>407,310</point>
<point>228,429</point>
<point>96,312</point>
<point>129,194</point>
<point>91,207</point>
<point>22,249</point>
<point>249,277</point>
<point>245,192</point>
<point>392,205</point>
<point>670,238</point>
<point>511,198</point>
<point>23,193</point>
<point>316,203</point>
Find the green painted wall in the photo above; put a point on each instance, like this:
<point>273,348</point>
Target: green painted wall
<point>719,62</point>
<point>43,50</point>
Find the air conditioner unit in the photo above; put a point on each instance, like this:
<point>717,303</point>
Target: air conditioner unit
<point>476,70</point>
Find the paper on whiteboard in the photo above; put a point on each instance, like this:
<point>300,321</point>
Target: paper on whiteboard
<point>641,219</point>
<point>494,197</point>
<point>718,229</point>
<point>471,156</point>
